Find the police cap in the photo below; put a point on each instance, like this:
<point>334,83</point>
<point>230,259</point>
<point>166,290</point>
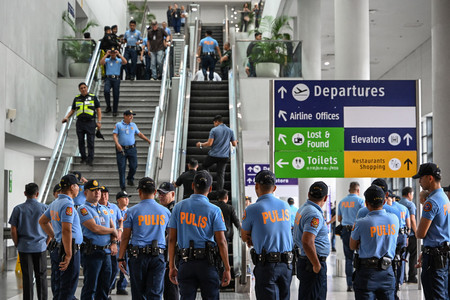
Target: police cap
<point>374,195</point>
<point>381,183</point>
<point>265,177</point>
<point>318,190</point>
<point>428,169</point>
<point>92,185</point>
<point>202,179</point>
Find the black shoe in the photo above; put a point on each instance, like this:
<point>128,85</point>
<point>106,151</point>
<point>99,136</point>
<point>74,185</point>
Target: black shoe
<point>412,280</point>
<point>130,182</point>
<point>349,289</point>
<point>83,160</point>
<point>333,250</point>
<point>108,109</point>
<point>123,189</point>
<point>115,114</point>
<point>121,292</point>
<point>90,163</point>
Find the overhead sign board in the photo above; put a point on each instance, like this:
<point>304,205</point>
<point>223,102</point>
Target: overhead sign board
<point>344,128</point>
<point>252,169</point>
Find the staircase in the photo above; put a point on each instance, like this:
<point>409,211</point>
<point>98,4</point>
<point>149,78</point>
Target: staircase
<point>177,49</point>
<point>140,96</point>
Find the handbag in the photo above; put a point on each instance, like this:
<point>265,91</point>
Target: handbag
<point>246,18</point>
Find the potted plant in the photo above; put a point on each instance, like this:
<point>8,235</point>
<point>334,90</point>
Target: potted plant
<point>140,14</point>
<point>78,50</point>
<point>269,54</point>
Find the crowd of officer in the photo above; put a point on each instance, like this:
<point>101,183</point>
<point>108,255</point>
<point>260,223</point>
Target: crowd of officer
<point>187,242</point>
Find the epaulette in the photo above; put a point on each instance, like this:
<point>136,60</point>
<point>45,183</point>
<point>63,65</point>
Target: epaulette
<point>90,94</point>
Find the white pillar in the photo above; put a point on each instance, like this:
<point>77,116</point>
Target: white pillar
<point>309,26</point>
<point>440,43</point>
<point>352,60</point>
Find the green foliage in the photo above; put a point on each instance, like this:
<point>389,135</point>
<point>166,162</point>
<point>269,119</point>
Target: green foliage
<point>78,50</point>
<point>139,14</point>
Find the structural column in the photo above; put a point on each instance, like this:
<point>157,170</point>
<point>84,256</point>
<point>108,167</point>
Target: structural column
<point>352,62</point>
<point>440,57</point>
<point>309,26</point>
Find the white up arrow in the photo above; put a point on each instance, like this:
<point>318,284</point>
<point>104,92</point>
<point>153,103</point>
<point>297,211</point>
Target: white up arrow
<point>282,90</point>
<point>282,114</point>
<point>280,163</point>
<point>282,137</point>
<point>408,138</point>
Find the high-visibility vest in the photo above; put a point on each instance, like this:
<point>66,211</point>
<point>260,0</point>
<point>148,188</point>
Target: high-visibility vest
<point>85,105</point>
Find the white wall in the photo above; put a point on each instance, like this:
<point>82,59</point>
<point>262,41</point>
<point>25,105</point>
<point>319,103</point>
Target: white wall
<point>417,65</point>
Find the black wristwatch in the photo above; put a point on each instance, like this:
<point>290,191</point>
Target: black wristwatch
<point>120,259</point>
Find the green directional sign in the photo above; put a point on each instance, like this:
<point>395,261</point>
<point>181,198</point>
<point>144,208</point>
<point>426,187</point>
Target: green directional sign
<point>309,164</point>
<point>309,139</point>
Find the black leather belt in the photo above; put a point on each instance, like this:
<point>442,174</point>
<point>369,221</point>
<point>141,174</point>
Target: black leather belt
<point>276,257</point>
<point>321,258</point>
<point>128,147</point>
<point>75,246</point>
<point>209,53</point>
<point>441,250</point>
<point>149,250</point>
<point>113,76</point>
<point>374,262</point>
<point>197,254</point>
<point>132,47</point>
<point>348,227</point>
<point>96,247</point>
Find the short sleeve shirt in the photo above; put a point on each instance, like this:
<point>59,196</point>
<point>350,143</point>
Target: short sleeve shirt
<point>101,216</point>
<point>293,211</point>
<point>25,216</point>
<point>196,219</point>
<point>115,212</point>
<point>349,207</point>
<point>208,44</point>
<point>63,210</point>
<point>80,199</point>
<point>404,213</point>
<point>148,221</point>
<point>377,233</point>
<point>269,221</point>
<point>113,66</point>
<point>222,136</point>
<point>126,133</point>
<point>310,219</point>
<point>436,209</point>
<point>186,180</point>
<point>132,37</point>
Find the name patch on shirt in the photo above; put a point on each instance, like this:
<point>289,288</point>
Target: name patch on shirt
<point>275,216</point>
<point>297,218</point>
<point>192,219</point>
<point>54,215</point>
<point>348,204</point>
<point>381,230</point>
<point>151,220</point>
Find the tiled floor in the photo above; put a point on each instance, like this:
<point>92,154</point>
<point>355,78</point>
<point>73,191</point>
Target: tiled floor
<point>10,288</point>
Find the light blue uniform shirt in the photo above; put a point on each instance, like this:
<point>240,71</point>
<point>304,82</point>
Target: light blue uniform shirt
<point>411,206</point>
<point>269,221</point>
<point>404,213</point>
<point>349,207</point>
<point>208,44</point>
<point>293,211</point>
<point>101,217</point>
<point>364,211</point>
<point>126,133</point>
<point>196,219</point>
<point>132,37</point>
<point>310,219</point>
<point>115,212</point>
<point>25,216</point>
<point>113,66</point>
<point>222,136</point>
<point>377,233</point>
<point>148,221</point>
<point>62,210</point>
<point>167,29</point>
<point>436,209</point>
<point>80,199</point>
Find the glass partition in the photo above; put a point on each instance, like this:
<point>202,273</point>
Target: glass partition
<point>268,58</point>
<point>74,57</point>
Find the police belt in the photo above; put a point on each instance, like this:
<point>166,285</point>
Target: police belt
<point>131,47</point>
<point>321,258</point>
<point>147,250</point>
<point>275,257</point>
<point>193,254</point>
<point>348,227</point>
<point>208,53</point>
<point>74,246</point>
<point>434,251</point>
<point>375,263</point>
<point>403,230</point>
<point>97,247</point>
<point>128,147</point>
<point>113,76</point>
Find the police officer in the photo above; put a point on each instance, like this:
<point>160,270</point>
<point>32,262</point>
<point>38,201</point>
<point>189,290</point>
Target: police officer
<point>311,236</point>
<point>30,241</point>
<point>123,200</point>
<point>86,106</point>
<point>100,242</point>
<point>407,201</point>
<point>206,55</point>
<point>228,213</point>
<point>375,236</point>
<point>187,178</point>
<point>56,190</point>
<point>117,218</point>
<point>266,226</point>
<point>348,209</point>
<point>133,38</point>
<point>146,224</point>
<point>434,230</point>
<point>383,185</point>
<point>166,197</point>
<point>198,227</point>
<point>61,222</point>
<point>123,136</point>
<point>292,210</point>
<point>80,198</point>
<point>113,62</point>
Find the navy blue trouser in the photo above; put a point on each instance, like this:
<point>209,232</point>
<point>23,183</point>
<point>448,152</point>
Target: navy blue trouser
<point>34,263</point>
<point>273,281</point>
<point>345,235</point>
<point>114,270</point>
<point>131,156</point>
<point>86,128</point>
<point>208,62</point>
<point>312,285</point>
<point>97,275</point>
<point>113,83</point>
<point>64,283</point>
<point>198,274</point>
<point>122,282</point>
<point>148,65</point>
<point>371,284</point>
<point>434,281</point>
<point>221,163</point>
<point>131,57</point>
<point>177,24</point>
<point>400,270</point>
<point>147,276</point>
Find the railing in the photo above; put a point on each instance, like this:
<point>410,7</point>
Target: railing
<point>156,148</point>
<point>237,169</point>
<point>64,132</point>
<point>179,149</point>
<point>194,43</point>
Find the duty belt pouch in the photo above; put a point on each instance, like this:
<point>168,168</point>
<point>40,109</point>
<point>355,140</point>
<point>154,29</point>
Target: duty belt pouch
<point>309,267</point>
<point>210,253</point>
<point>88,247</point>
<point>357,262</point>
<point>62,251</point>
<point>287,257</point>
<point>338,229</point>
<point>155,248</point>
<point>133,251</point>
<point>254,256</point>
<point>385,263</point>
<point>439,261</point>
<point>52,245</point>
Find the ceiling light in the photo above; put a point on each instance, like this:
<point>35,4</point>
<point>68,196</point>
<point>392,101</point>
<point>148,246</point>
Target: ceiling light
<point>327,63</point>
<point>235,12</point>
<point>231,22</point>
<point>43,158</point>
<point>232,9</point>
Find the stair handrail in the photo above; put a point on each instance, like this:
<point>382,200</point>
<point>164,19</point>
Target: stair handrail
<point>196,40</point>
<point>159,123</point>
<point>178,150</point>
<point>237,164</point>
<point>64,131</point>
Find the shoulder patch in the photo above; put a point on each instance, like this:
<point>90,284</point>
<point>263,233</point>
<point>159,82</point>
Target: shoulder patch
<point>69,211</point>
<point>315,222</point>
<point>125,217</point>
<point>244,215</point>
<point>427,206</point>
<point>83,211</point>
<point>223,219</point>
<point>353,227</point>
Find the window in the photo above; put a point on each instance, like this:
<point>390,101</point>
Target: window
<point>427,138</point>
